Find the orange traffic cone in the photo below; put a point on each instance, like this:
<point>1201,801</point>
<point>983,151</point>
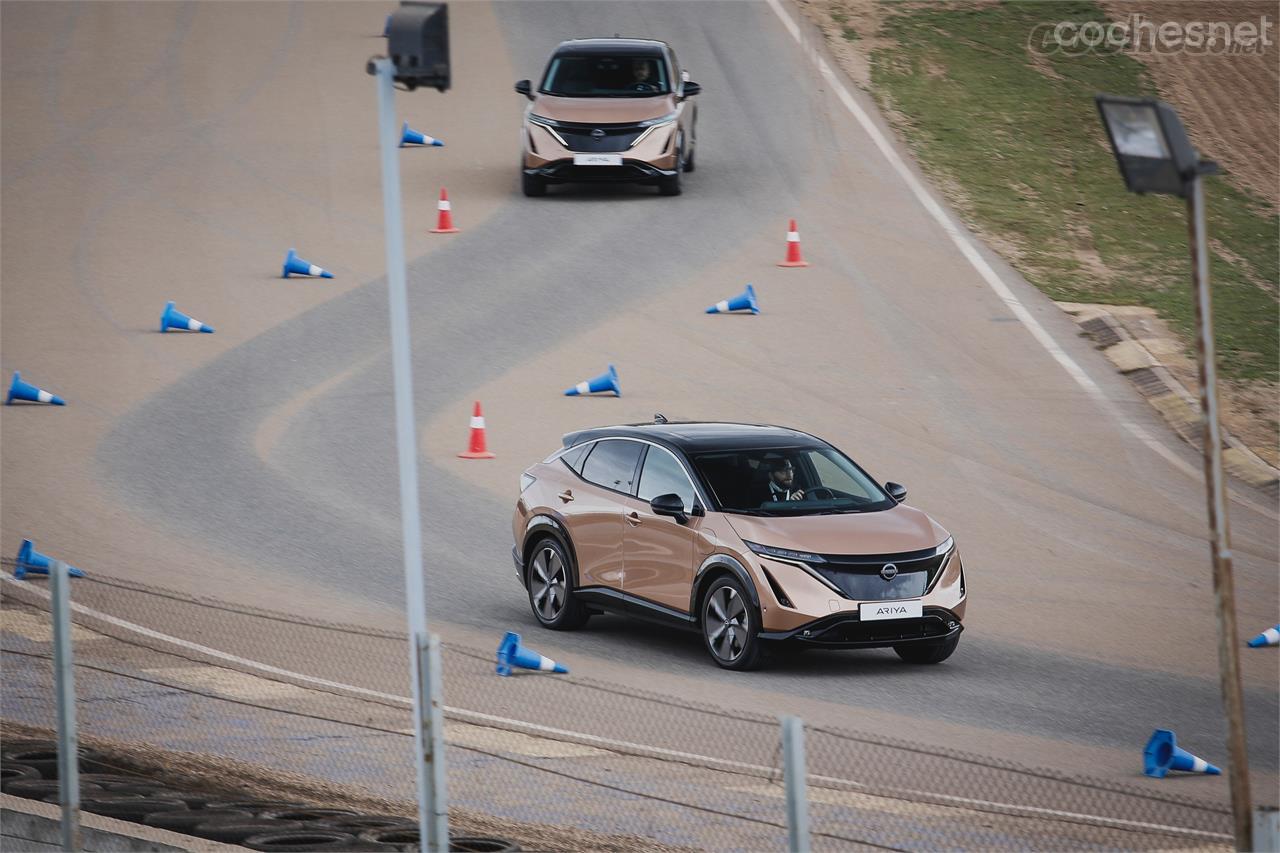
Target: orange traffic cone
<point>794,258</point>
<point>444,221</point>
<point>477,449</point>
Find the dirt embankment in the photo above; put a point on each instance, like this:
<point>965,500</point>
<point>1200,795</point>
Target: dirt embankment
<point>1227,96</point>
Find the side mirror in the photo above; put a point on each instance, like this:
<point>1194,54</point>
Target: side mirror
<point>896,491</point>
<point>525,88</point>
<point>672,505</point>
<point>689,89</point>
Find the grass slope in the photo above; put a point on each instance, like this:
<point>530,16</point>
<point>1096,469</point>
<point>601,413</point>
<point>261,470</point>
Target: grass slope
<point>1015,136</point>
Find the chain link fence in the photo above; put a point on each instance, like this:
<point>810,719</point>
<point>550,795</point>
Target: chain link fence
<point>242,701</point>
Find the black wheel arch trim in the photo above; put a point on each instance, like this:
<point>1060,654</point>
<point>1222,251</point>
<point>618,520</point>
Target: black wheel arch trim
<point>707,570</point>
<point>547,523</point>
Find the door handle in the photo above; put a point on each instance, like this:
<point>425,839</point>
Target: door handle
<point>566,495</point>
<point>633,518</point>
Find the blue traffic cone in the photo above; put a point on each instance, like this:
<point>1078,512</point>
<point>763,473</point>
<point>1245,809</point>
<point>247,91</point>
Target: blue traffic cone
<point>31,560</point>
<point>294,265</point>
<point>25,391</point>
<point>607,381</point>
<point>409,136</point>
<point>1269,637</point>
<point>745,301</point>
<point>511,653</point>
<point>1163,754</point>
<point>172,318</point>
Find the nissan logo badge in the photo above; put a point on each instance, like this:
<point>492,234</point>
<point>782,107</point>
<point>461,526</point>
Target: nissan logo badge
<point>597,134</point>
<point>889,572</point>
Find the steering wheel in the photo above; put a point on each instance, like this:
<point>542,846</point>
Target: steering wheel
<point>643,86</point>
<point>820,493</point>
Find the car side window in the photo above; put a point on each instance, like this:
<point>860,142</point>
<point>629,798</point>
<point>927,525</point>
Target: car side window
<point>612,464</point>
<point>573,456</point>
<point>662,475</point>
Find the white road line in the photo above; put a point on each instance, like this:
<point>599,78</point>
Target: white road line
<point>988,274</point>
<point>625,747</point>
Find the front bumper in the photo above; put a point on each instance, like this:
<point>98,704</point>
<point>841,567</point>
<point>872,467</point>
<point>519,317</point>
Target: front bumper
<point>847,631</point>
<point>515,558</point>
<point>631,171</point>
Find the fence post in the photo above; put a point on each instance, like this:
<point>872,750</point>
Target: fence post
<point>1266,828</point>
<point>436,796</point>
<point>795,778</point>
<point>65,686</point>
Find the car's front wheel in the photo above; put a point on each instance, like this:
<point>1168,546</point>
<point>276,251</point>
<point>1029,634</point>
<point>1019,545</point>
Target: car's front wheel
<point>550,582</point>
<point>531,185</point>
<point>730,626</point>
<point>671,185</point>
<point>932,652</point>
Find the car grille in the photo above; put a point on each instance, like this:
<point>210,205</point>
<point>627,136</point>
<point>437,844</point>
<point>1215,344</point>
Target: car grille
<point>618,137</point>
<point>858,576</point>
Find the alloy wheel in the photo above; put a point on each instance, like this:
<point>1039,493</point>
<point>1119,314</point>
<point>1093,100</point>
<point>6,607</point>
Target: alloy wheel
<point>725,623</point>
<point>547,583</point>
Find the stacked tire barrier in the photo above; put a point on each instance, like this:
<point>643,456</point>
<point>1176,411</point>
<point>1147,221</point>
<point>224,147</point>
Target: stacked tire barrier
<point>29,769</point>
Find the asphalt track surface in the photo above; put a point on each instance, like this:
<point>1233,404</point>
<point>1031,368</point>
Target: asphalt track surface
<point>258,463</point>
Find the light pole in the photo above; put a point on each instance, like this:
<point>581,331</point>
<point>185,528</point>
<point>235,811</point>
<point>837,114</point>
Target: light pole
<point>1155,156</point>
<point>418,41</point>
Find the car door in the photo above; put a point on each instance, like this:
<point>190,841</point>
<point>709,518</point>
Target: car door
<point>593,507</point>
<point>659,550</point>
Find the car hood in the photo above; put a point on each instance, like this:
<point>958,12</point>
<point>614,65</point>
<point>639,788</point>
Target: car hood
<point>892,531</point>
<point>603,110</point>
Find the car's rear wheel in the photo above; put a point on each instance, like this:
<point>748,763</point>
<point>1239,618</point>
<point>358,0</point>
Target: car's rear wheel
<point>549,578</point>
<point>532,186</point>
<point>932,652</point>
<point>671,185</point>
<point>730,626</point>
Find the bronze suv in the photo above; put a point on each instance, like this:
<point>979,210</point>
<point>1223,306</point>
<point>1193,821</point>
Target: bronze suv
<point>609,110</point>
<point>747,534</point>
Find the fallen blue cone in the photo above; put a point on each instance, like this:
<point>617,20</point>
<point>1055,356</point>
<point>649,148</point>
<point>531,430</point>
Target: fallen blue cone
<point>607,381</point>
<point>409,136</point>
<point>512,654</point>
<point>31,561</point>
<point>745,301</point>
<point>294,265</point>
<point>1269,637</point>
<point>172,318</point>
<point>28,393</point>
<point>1163,754</point>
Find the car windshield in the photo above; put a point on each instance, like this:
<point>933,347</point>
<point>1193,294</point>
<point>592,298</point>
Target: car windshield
<point>789,481</point>
<point>598,76</point>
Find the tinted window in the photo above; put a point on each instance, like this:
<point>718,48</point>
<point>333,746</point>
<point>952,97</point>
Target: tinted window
<point>597,75</point>
<point>662,475</point>
<point>612,464</point>
<point>789,481</point>
<point>573,456</point>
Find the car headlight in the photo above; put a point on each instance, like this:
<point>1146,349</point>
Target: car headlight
<point>660,120</point>
<point>784,553</point>
<point>526,480</point>
<point>651,128</point>
<point>946,547</point>
<point>548,125</point>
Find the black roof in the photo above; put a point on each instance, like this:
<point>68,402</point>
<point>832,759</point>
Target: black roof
<point>611,47</point>
<point>702,436</point>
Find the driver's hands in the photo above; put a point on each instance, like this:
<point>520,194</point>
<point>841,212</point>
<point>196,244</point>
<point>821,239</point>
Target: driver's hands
<point>797,495</point>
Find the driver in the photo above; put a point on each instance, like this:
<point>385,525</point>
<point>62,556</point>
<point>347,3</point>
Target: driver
<point>642,75</point>
<point>782,482</point>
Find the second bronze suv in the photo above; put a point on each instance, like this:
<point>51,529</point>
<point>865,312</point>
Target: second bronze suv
<point>609,110</point>
<point>747,534</point>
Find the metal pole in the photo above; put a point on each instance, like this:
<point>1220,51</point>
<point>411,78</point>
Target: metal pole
<point>1266,828</point>
<point>795,778</point>
<point>1219,528</point>
<point>435,727</point>
<point>64,679</point>
<point>429,763</point>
